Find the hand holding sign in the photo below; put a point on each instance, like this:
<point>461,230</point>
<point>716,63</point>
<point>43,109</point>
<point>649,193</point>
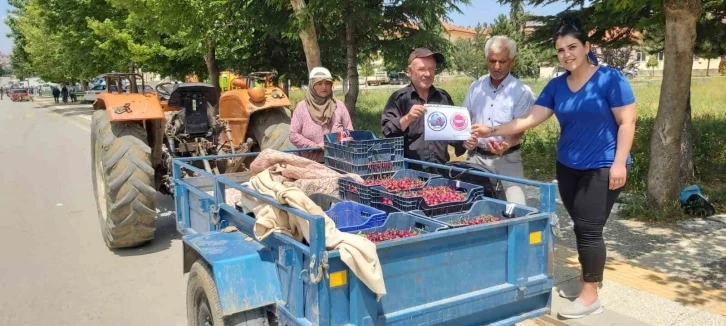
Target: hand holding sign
<point>445,122</point>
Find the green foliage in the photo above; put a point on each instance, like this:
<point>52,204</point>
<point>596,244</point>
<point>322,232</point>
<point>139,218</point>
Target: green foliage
<point>528,59</point>
<point>620,58</point>
<point>540,146</point>
<point>468,55</point>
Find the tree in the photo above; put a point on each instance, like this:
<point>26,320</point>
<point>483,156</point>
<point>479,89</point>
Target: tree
<point>613,22</point>
<point>619,58</point>
<point>468,55</point>
<point>308,35</point>
<point>527,61</point>
<point>652,63</point>
<point>711,31</point>
<point>681,17</point>
<point>368,27</point>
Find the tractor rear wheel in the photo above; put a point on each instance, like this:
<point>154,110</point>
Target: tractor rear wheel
<point>271,129</point>
<point>123,182</point>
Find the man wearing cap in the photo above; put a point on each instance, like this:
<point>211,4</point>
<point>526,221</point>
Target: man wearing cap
<point>493,100</point>
<point>403,114</point>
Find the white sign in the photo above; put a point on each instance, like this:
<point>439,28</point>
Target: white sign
<point>446,122</point>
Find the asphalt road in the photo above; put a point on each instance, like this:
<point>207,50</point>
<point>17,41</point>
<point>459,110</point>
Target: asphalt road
<point>56,269</point>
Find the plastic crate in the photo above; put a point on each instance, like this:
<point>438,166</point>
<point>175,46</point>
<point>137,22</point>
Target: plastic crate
<point>488,206</point>
<point>351,216</point>
<point>363,147</point>
<point>324,201</point>
<point>351,190</point>
<point>404,204</point>
<point>366,169</point>
<point>407,221</point>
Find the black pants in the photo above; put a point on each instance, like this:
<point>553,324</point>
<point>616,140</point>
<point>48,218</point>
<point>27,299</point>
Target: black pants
<point>588,200</point>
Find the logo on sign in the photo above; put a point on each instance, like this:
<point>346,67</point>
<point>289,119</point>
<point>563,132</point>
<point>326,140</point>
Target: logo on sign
<point>459,121</point>
<point>436,121</point>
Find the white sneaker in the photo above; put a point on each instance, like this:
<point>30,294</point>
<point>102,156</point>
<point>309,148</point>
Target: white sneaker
<point>577,309</point>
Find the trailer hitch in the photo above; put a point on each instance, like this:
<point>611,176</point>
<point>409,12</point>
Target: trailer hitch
<point>315,278</point>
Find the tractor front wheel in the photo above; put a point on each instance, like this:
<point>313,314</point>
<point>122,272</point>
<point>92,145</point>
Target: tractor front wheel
<point>123,181</point>
<point>271,129</point>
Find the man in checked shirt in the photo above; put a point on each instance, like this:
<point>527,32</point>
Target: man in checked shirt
<point>493,100</point>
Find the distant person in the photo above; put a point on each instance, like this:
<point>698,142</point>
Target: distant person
<point>56,93</point>
<point>2,92</point>
<point>72,93</point>
<point>317,115</point>
<point>64,94</point>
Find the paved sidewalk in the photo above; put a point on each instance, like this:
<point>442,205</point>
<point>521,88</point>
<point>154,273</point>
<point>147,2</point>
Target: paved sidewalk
<point>656,273</point>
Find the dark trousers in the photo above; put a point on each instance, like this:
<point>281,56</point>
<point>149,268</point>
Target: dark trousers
<point>588,200</point>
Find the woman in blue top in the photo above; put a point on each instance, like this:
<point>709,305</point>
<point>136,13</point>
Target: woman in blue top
<point>595,107</point>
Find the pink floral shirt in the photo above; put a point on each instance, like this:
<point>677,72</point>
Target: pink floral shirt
<point>305,133</point>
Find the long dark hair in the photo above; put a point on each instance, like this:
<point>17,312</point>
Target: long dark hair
<point>572,27</point>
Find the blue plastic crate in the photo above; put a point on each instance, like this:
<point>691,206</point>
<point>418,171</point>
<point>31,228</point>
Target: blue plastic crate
<point>407,204</point>
<point>485,206</point>
<point>407,221</point>
<point>351,216</point>
<point>367,169</point>
<point>363,147</point>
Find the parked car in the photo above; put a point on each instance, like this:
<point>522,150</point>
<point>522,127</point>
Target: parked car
<point>19,94</point>
<point>90,95</point>
<point>398,78</point>
<point>147,89</point>
<point>630,72</point>
<point>559,71</point>
<point>379,78</point>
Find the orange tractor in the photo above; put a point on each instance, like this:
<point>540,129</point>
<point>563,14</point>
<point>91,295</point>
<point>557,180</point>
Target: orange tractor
<point>135,136</point>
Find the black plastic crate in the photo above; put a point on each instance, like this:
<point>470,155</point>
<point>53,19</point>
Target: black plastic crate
<point>362,193</point>
<point>406,221</point>
<point>349,189</point>
<point>390,202</point>
<point>367,169</point>
<point>363,147</point>
<point>485,206</point>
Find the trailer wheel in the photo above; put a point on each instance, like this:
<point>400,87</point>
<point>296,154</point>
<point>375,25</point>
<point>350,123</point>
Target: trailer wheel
<point>122,182</point>
<point>203,307</point>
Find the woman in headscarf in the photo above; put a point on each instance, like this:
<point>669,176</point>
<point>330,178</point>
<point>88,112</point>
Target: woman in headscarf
<point>317,115</point>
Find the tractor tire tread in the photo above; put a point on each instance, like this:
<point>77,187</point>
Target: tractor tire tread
<point>128,179</point>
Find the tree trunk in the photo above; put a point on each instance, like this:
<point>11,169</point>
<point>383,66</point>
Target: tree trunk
<point>708,66</point>
<point>308,35</point>
<point>212,68</point>
<point>687,169</point>
<point>680,36</point>
<point>351,96</point>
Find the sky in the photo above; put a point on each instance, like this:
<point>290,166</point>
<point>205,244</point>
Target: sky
<point>485,11</point>
<point>6,45</point>
<point>479,11</point>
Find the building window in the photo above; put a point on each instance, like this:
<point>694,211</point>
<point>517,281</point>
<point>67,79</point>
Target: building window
<point>640,56</point>
<point>660,56</point>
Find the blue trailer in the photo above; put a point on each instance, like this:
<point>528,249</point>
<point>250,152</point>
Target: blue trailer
<point>499,273</point>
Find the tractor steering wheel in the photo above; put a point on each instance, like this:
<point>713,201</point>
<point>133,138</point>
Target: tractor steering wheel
<point>164,90</point>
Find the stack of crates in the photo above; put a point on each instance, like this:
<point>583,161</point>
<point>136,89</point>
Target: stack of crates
<point>362,153</point>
